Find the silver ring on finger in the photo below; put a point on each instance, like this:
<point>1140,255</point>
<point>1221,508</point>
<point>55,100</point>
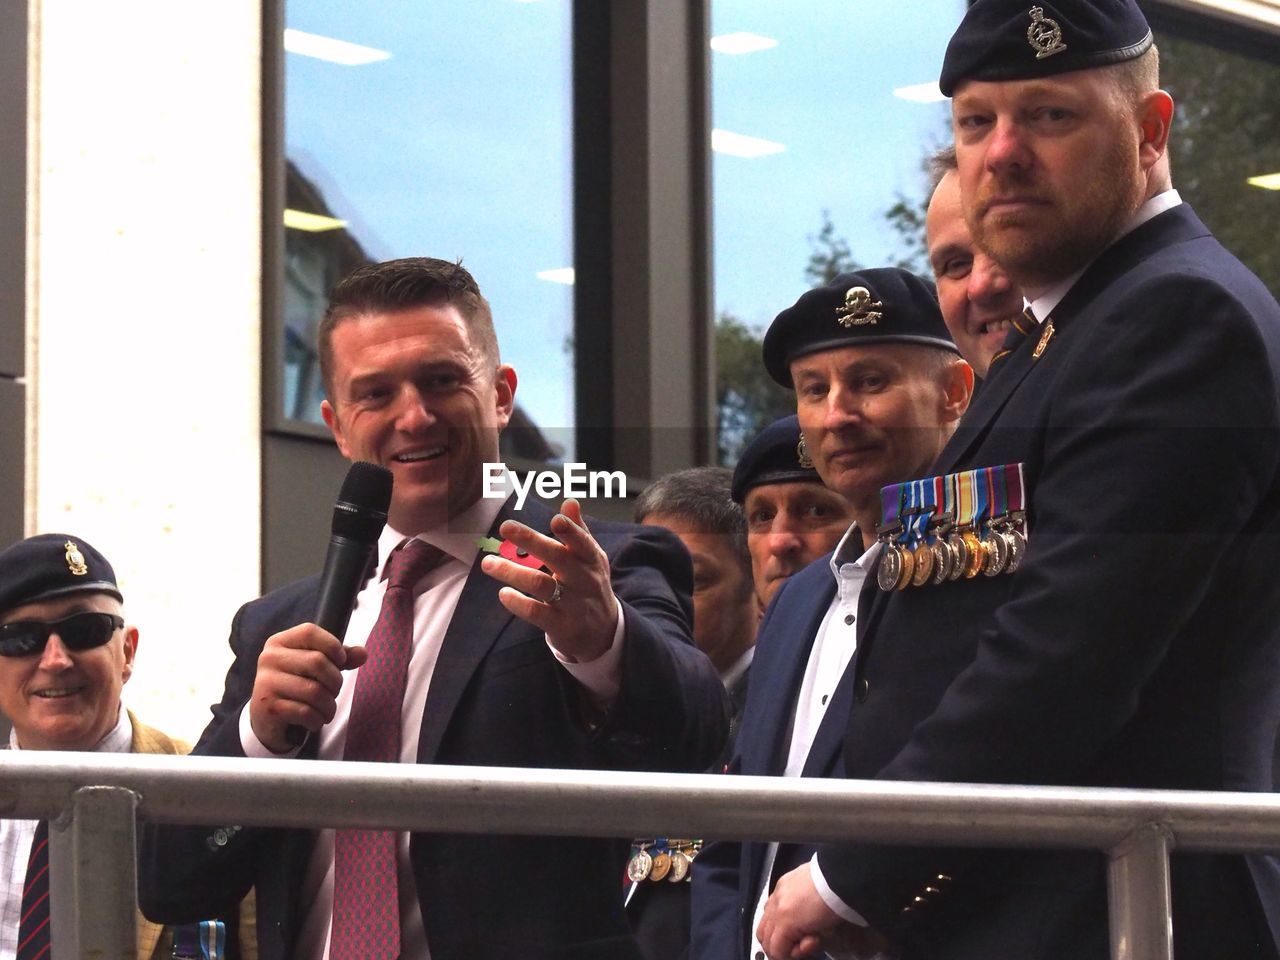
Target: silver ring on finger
<point>557,593</point>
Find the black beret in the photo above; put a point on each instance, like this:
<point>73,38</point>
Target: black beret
<point>51,565</point>
<point>772,457</point>
<point>882,305</point>
<point>1008,40</point>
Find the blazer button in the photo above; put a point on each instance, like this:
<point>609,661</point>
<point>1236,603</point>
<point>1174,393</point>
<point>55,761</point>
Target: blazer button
<point>862,690</point>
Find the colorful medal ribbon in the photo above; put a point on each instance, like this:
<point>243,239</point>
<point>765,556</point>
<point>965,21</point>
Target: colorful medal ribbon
<point>893,558</point>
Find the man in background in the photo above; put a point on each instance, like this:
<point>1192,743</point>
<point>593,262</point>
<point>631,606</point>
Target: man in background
<point>979,302</point>
<point>792,518</point>
<point>879,388</point>
<point>66,653</point>
<point>697,506</point>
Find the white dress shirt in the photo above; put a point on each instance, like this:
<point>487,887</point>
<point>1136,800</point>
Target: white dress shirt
<point>16,837</point>
<point>435,599</point>
<point>833,648</point>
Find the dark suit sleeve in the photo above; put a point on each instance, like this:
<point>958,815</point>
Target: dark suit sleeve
<point>1159,445</point>
<point>671,712</point>
<point>188,872</point>
<point>716,919</point>
<point>718,883</point>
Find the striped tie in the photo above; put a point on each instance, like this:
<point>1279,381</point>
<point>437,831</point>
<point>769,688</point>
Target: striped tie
<point>1018,331</point>
<point>366,904</point>
<point>33,928</point>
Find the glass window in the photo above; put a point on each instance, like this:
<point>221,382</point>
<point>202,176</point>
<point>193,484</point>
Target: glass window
<point>438,130</point>
<point>824,115</point>
<point>1224,148</point>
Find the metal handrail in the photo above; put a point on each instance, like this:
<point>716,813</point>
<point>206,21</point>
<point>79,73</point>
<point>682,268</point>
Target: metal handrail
<point>92,796</point>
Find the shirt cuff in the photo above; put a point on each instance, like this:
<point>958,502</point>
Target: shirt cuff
<point>602,677</point>
<point>252,746</point>
<point>836,905</point>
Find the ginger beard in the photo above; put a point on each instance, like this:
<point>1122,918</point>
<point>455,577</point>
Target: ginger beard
<point>1072,223</point>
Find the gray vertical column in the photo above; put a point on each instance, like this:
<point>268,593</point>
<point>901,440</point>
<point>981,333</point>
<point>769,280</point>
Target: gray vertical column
<point>13,219</point>
<point>1138,893</point>
<point>93,887</point>
<point>643,236</point>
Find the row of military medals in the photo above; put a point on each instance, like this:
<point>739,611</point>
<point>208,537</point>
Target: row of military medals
<point>948,528</point>
<point>662,859</point>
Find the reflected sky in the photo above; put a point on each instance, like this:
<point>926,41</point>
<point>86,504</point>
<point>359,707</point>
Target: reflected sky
<point>460,145</point>
<point>826,92</point>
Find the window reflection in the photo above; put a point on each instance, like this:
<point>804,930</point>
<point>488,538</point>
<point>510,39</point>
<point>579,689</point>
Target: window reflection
<point>822,123</point>
<point>446,131</point>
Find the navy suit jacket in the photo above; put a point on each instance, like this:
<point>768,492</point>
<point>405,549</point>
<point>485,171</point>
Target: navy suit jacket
<point>498,698</point>
<point>1139,643</point>
<point>726,875</point>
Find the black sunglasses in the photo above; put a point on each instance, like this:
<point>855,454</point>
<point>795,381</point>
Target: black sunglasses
<point>80,631</point>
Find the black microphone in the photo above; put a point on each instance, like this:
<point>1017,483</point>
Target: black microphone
<point>358,518</point>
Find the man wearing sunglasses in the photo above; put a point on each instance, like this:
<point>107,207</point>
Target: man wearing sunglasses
<point>65,655</point>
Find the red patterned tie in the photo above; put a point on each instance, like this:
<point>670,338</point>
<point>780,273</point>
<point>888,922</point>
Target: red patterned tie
<point>33,928</point>
<point>366,907</point>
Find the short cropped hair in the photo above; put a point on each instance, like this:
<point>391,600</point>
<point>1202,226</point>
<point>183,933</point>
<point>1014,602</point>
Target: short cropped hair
<point>1135,78</point>
<point>701,497</point>
<point>942,162</point>
<point>396,285</point>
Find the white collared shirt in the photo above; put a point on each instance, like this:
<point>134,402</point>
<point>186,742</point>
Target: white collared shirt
<point>1043,301</point>
<point>833,648</point>
<point>16,837</point>
<point>436,597</point>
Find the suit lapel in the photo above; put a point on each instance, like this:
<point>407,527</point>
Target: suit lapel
<point>780,672</point>
<point>777,716</point>
<point>1173,226</point>
<point>474,627</point>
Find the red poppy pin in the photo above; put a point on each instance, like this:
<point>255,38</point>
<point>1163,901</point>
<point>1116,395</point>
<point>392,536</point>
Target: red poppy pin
<point>507,549</point>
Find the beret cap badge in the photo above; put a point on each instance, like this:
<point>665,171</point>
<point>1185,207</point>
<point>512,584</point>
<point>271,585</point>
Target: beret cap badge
<point>859,309</point>
<point>75,559</point>
<point>802,455</point>
<point>1044,34</point>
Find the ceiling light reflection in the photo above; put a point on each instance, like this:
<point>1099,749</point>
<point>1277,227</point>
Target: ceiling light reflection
<point>1270,181</point>
<point>920,93</point>
<point>738,43</point>
<point>334,51</point>
<point>311,222</point>
<point>559,275</point>
<point>741,145</point>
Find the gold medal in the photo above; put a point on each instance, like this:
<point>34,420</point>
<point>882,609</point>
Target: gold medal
<point>908,568</point>
<point>639,867</point>
<point>661,867</point>
<point>923,555</point>
<point>679,867</point>
<point>997,551</point>
<point>975,557</point>
<point>890,567</point>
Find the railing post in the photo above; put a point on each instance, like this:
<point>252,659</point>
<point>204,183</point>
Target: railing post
<point>1138,895</point>
<point>93,889</point>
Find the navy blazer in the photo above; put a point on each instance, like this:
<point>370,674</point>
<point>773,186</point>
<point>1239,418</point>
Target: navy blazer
<point>726,875</point>
<point>1139,643</point>
<point>498,698</point>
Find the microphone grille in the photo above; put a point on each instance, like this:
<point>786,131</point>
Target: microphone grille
<point>363,502</point>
